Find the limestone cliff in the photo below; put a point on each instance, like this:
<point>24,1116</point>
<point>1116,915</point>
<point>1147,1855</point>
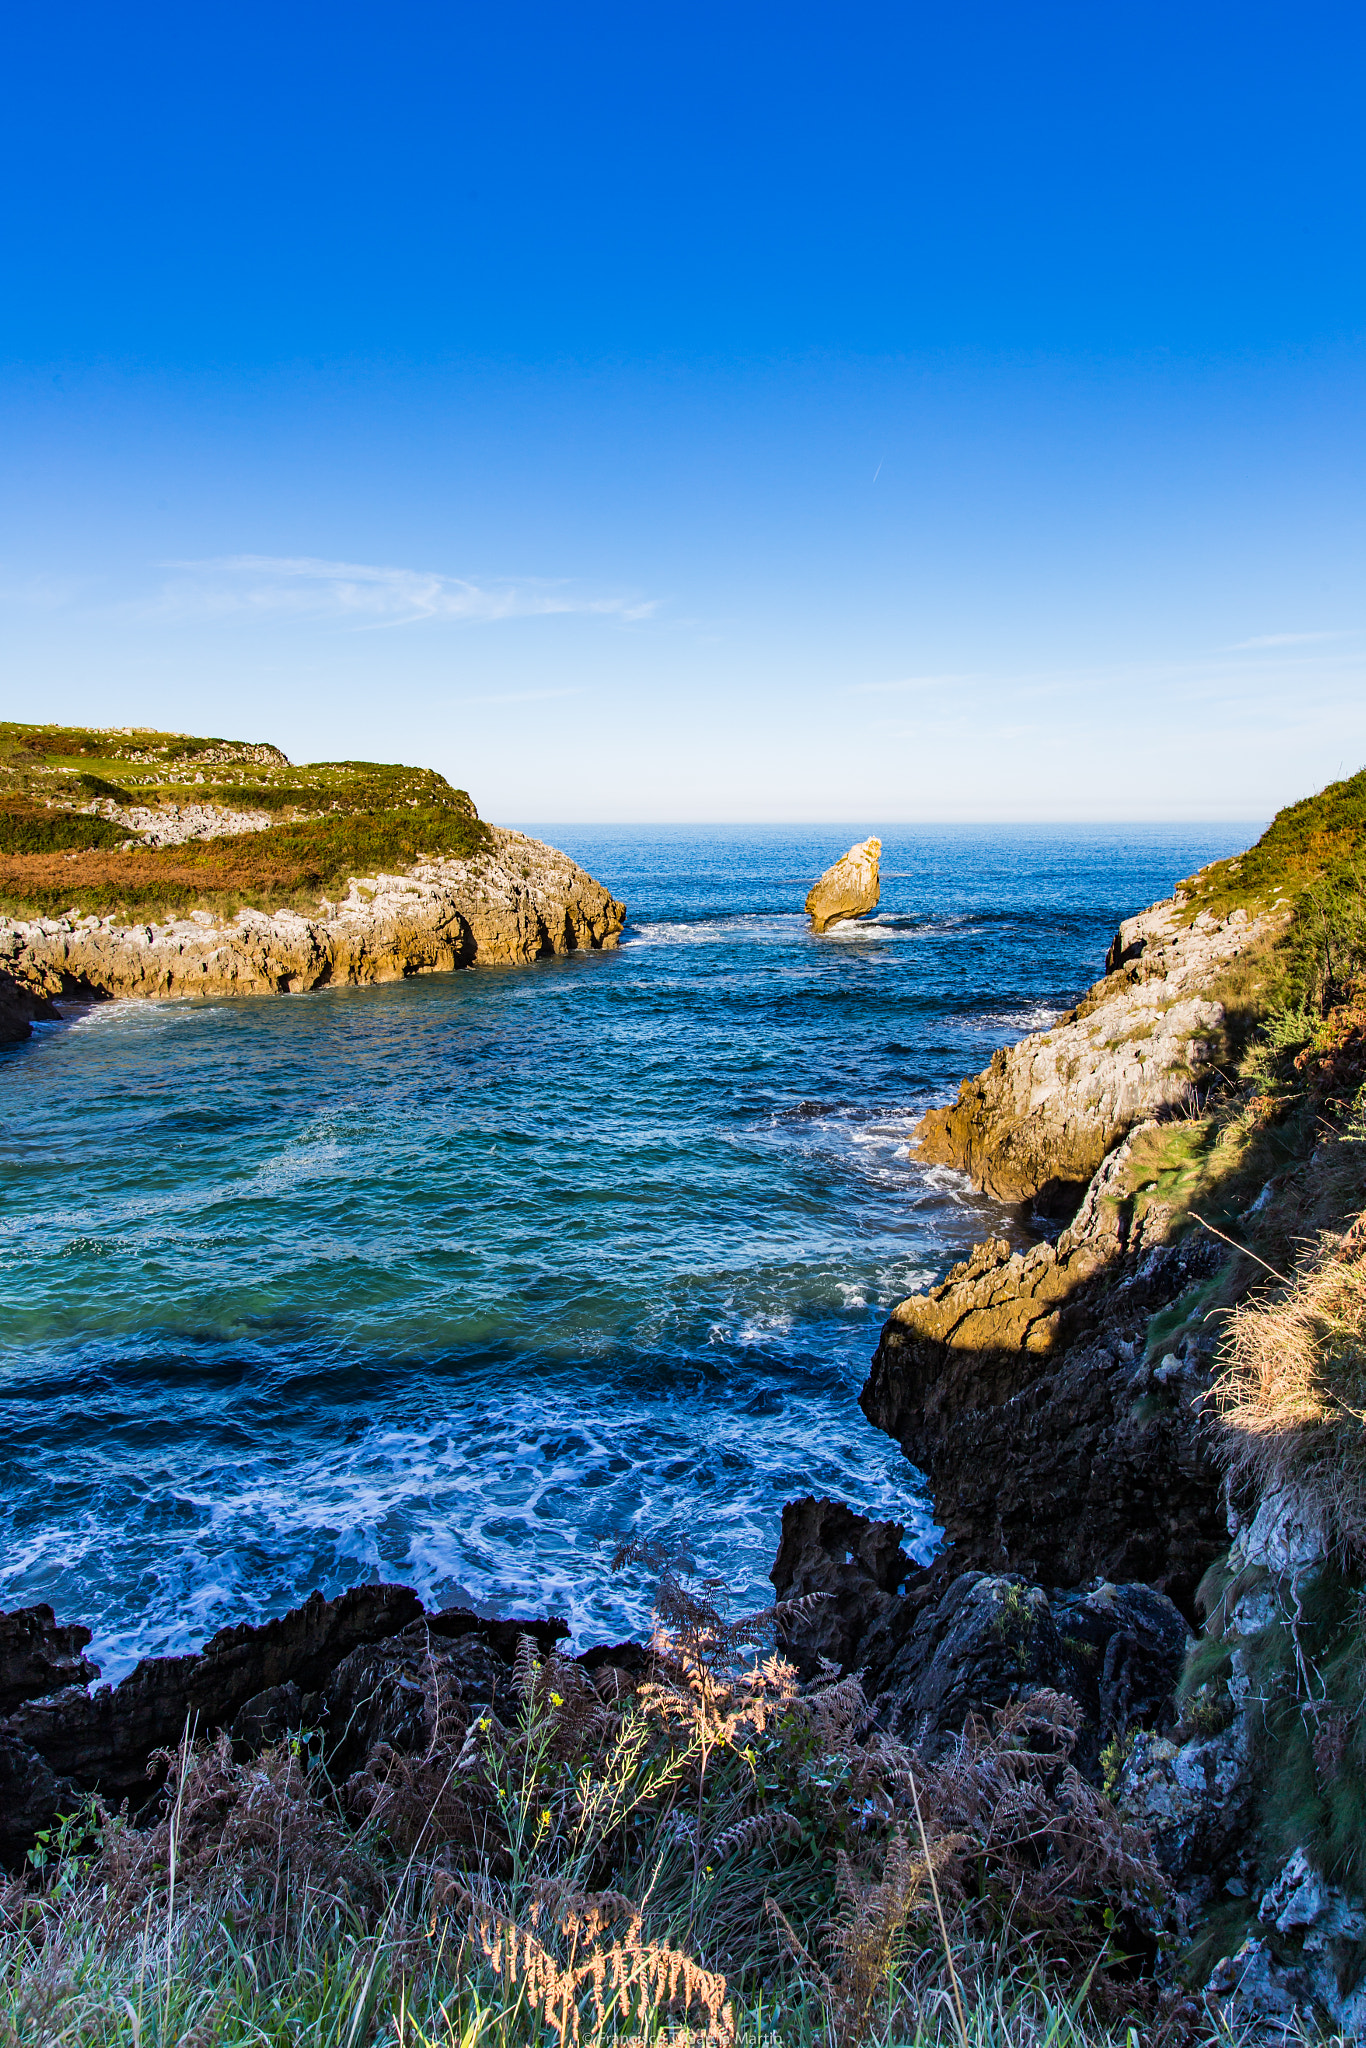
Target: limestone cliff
<point>1038,1121</point>
<point>514,903</point>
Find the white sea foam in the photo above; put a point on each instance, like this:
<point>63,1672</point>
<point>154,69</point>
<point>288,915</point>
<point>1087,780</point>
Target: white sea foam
<point>452,1281</point>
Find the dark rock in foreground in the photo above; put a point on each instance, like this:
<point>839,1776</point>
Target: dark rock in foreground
<point>860,1568</point>
<point>38,1654</point>
<point>359,1667</point>
<point>20,1009</point>
<point>937,1645</point>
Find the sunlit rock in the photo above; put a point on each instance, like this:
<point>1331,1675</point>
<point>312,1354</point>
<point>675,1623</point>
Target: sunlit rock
<point>849,889</point>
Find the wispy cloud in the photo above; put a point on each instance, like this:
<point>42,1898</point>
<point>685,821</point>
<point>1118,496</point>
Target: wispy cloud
<point>522,696</point>
<point>364,594</point>
<point>1282,640</point>
<point>904,684</point>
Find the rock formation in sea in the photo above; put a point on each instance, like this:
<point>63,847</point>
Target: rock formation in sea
<point>517,901</point>
<point>849,889</point>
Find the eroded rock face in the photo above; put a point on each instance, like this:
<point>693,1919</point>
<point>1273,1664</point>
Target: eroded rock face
<point>1018,1386</point>
<point>20,1009</point>
<point>519,903</point>
<point>38,1654</point>
<point>849,889</point>
<point>856,1564</point>
<point>1036,1124</point>
<point>102,1739</point>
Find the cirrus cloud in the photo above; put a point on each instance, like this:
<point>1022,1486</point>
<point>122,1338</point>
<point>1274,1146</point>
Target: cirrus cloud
<point>365,594</point>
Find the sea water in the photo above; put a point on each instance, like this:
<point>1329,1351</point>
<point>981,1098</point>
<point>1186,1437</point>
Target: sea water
<point>460,1280</point>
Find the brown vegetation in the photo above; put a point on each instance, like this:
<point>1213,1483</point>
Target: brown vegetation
<point>1292,1393</point>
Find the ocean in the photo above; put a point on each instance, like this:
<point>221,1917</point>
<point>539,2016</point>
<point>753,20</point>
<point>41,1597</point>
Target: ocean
<point>460,1280</point>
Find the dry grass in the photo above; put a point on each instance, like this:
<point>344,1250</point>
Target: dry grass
<point>690,1854</point>
<point>1292,1392</point>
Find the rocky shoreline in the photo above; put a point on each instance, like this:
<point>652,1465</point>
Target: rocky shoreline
<point>520,901</point>
<point>1058,1401</point>
<point>1142,1042</point>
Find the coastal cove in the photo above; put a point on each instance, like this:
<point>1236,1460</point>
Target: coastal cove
<point>450,1281</point>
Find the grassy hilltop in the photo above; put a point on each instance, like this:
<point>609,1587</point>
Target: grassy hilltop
<point>68,841</point>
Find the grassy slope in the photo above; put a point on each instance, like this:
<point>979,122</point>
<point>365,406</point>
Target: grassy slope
<point>1275,1161</point>
<point>333,819</point>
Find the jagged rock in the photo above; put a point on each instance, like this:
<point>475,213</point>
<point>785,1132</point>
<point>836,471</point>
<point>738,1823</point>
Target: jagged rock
<point>989,1638</point>
<point>512,905</point>
<point>259,1683</point>
<point>502,1635</point>
<point>856,1563</point>
<point>1314,1968</point>
<point>31,1797</point>
<point>935,1644</point>
<point>1192,1798</point>
<point>20,1009</point>
<point>269,1716</point>
<point>392,1692</point>
<point>102,1740</point>
<point>38,1654</point>
<point>849,889</point>
<point>987,1641</point>
<point>1039,1120</point>
<point>1017,1385</point>
<point>1124,1647</point>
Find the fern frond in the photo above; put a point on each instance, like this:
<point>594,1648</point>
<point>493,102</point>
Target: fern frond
<point>748,1834</point>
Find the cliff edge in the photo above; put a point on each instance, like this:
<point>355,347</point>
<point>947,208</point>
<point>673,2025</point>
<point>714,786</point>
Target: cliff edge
<point>1036,1124</point>
<point>517,902</point>
<point>1164,1404</point>
<point>141,863</point>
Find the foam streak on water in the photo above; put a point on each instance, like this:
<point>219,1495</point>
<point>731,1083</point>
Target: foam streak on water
<point>456,1280</point>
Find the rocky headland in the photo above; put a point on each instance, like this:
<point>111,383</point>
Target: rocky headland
<point>138,863</point>
<point>516,902</point>
<point>1144,1041</point>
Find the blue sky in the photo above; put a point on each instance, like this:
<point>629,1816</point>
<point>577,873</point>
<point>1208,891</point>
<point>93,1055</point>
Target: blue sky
<point>697,412</point>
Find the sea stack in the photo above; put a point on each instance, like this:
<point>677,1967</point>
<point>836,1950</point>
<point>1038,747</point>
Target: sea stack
<point>849,889</point>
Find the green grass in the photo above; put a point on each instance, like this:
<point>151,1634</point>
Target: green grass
<point>1311,860</point>
<point>331,820</point>
<point>55,832</point>
<point>1321,836</point>
<point>220,1975</point>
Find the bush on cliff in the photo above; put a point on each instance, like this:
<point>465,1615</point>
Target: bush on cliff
<point>1311,859</point>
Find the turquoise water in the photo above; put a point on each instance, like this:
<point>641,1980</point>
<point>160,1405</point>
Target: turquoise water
<point>455,1280</point>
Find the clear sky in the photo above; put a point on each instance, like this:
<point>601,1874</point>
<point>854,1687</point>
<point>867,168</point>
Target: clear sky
<point>695,411</point>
